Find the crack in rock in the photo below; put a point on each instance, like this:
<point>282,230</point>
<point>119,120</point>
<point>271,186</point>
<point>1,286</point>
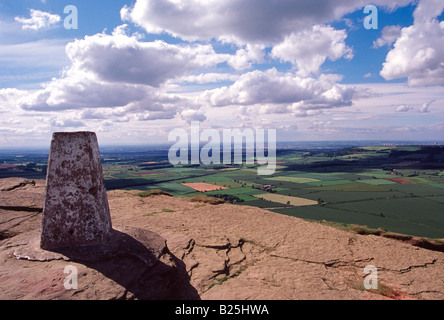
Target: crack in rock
<point>229,265</point>
<point>336,263</point>
<point>19,185</point>
<point>410,268</point>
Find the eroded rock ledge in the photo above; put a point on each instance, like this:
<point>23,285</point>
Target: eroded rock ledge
<point>225,252</point>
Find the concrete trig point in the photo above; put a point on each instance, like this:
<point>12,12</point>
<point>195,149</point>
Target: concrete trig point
<point>76,208</point>
<point>76,220</point>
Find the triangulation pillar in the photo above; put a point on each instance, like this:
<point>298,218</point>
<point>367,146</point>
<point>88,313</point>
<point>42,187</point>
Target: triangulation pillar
<point>76,209</point>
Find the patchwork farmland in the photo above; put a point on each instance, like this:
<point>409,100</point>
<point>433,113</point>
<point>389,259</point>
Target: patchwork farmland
<point>368,190</point>
<point>394,188</point>
<point>377,187</point>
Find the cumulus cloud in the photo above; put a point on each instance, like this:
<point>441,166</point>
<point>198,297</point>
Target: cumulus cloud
<point>38,20</point>
<point>66,123</point>
<point>389,35</point>
<point>247,21</point>
<point>9,97</point>
<point>209,77</point>
<point>122,58</point>
<point>245,57</point>
<point>418,53</point>
<point>76,92</point>
<point>404,108</point>
<point>193,115</point>
<point>119,72</point>
<point>155,115</point>
<point>283,92</point>
<point>309,49</point>
<point>425,106</point>
<point>82,93</point>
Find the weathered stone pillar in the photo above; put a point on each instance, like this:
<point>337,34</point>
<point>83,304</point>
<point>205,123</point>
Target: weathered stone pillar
<point>76,208</point>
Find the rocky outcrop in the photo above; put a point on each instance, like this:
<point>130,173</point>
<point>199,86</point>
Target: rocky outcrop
<point>227,252</point>
<point>134,264</point>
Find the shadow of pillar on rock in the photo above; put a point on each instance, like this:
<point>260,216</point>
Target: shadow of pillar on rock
<point>138,260</point>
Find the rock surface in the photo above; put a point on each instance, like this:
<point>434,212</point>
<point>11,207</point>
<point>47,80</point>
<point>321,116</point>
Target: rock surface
<point>229,252</point>
<point>133,264</point>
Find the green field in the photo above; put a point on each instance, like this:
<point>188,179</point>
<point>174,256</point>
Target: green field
<point>293,179</point>
<point>327,183</point>
<point>353,187</point>
<point>377,182</point>
<point>316,176</point>
<point>420,217</point>
<point>171,187</point>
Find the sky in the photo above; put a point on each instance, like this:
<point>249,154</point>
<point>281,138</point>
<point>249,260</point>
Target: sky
<point>134,70</point>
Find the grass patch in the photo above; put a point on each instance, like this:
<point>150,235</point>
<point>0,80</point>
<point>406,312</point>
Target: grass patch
<point>156,212</point>
<point>357,187</point>
<point>293,179</point>
<point>438,185</point>
<point>207,199</point>
<point>218,282</point>
<point>154,192</point>
<point>364,230</point>
<point>317,176</point>
<point>329,183</point>
<point>426,243</point>
<point>382,289</point>
<point>420,180</point>
<point>376,182</point>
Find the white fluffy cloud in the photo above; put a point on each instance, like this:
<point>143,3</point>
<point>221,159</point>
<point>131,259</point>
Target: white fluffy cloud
<point>122,73</point>
<point>404,108</point>
<point>418,53</point>
<point>389,35</point>
<point>246,21</point>
<point>245,57</point>
<point>122,58</point>
<point>193,115</point>
<point>132,77</point>
<point>38,20</point>
<point>425,106</point>
<point>76,92</point>
<point>309,49</point>
<point>209,77</point>
<point>276,92</point>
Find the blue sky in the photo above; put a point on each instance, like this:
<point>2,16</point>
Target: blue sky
<point>135,70</point>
